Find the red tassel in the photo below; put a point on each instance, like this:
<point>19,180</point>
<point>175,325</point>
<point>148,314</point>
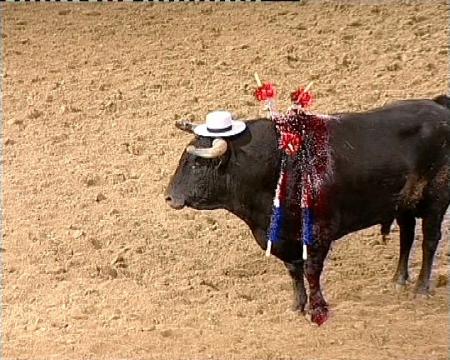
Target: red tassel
<point>302,98</point>
<point>266,91</point>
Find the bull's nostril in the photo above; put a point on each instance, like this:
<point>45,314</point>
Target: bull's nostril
<point>174,203</point>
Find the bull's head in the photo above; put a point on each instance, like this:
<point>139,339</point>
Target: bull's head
<point>200,180</point>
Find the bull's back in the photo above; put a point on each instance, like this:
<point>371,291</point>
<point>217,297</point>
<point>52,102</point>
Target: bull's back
<point>384,159</point>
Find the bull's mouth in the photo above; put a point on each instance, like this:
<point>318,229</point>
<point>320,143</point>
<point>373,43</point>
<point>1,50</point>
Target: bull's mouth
<point>174,204</point>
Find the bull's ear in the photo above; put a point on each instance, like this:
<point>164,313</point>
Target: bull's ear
<point>185,125</point>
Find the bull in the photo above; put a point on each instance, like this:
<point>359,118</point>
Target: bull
<point>392,162</point>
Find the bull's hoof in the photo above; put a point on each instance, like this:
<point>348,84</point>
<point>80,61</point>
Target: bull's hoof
<point>422,291</point>
<point>422,296</point>
<point>399,287</point>
<point>401,280</point>
<point>298,307</point>
<point>401,283</point>
<point>319,315</point>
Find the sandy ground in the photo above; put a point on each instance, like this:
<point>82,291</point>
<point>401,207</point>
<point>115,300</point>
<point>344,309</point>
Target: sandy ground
<point>96,266</point>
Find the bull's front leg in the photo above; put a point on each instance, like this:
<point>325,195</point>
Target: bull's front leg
<point>295,269</point>
<point>313,269</point>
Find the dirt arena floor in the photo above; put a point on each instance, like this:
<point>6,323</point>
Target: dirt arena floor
<point>96,266</point>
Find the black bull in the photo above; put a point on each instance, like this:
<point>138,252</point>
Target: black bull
<point>389,163</point>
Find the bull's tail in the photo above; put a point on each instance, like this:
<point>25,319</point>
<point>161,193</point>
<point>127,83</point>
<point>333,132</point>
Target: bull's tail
<point>443,100</point>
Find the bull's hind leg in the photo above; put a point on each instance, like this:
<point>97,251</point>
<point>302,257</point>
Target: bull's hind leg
<point>407,224</point>
<point>296,272</point>
<point>385,231</point>
<point>431,229</point>
<point>437,201</point>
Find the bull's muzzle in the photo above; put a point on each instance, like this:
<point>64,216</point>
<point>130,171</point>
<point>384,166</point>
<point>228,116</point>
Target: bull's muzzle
<point>174,203</point>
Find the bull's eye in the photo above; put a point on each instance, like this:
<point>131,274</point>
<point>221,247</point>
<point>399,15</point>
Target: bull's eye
<point>198,162</point>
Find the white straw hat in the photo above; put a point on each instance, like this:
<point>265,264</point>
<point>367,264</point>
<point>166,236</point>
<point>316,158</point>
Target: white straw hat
<point>220,124</point>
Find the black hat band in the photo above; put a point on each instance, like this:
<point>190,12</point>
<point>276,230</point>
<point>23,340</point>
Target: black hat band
<point>219,130</point>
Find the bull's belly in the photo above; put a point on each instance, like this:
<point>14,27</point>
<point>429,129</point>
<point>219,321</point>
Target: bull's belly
<point>376,204</point>
<point>361,218</point>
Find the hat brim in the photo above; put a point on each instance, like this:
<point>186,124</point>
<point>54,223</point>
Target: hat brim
<point>237,127</point>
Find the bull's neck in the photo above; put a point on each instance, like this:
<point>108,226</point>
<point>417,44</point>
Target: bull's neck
<point>252,176</point>
<point>254,209</point>
<point>252,201</point>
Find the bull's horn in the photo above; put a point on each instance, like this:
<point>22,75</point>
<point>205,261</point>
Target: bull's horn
<point>185,125</point>
<point>219,147</point>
